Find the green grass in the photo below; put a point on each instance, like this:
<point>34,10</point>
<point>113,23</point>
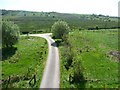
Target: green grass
<point>43,21</point>
<point>92,49</point>
<point>29,59</point>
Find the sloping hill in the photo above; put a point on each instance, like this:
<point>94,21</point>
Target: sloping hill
<point>29,21</point>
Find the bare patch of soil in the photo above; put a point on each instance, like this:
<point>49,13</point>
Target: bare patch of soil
<point>115,55</point>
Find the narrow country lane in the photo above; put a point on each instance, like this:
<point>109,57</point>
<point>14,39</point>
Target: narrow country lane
<point>50,77</point>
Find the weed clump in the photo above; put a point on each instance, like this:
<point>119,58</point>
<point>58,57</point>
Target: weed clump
<point>73,66</point>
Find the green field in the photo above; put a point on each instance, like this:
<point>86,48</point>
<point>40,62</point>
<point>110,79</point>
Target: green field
<point>90,54</point>
<point>42,21</point>
<point>22,62</point>
<point>97,52</point>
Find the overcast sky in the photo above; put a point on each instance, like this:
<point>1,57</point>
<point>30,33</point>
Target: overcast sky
<point>105,7</point>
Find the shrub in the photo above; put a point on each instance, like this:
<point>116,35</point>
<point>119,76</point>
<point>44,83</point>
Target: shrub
<point>60,29</point>
<point>10,34</point>
<point>76,72</point>
<point>68,54</point>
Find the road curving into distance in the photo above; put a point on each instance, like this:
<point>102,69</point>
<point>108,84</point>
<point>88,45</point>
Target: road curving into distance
<point>50,78</point>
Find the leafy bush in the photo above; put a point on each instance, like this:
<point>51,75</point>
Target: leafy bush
<point>68,54</point>
<point>78,72</point>
<point>60,29</point>
<point>10,34</point>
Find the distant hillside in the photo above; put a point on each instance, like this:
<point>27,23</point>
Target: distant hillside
<point>29,21</point>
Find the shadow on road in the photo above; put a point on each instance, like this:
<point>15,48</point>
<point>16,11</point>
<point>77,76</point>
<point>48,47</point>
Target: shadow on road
<point>54,44</point>
<point>7,52</point>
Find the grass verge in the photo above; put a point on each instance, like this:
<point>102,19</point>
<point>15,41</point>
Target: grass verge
<point>97,52</point>
<point>23,65</point>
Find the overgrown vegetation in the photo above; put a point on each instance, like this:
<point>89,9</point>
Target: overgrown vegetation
<point>70,67</point>
<point>95,60</point>
<point>10,34</point>
<point>23,65</point>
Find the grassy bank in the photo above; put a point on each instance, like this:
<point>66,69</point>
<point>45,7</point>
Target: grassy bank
<point>23,65</point>
<point>97,52</point>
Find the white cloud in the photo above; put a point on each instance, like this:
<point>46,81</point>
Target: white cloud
<point>107,7</point>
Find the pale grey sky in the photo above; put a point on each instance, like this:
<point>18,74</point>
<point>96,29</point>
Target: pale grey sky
<point>105,7</point>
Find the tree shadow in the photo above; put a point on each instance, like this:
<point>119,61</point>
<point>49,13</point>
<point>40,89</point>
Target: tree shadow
<point>54,44</point>
<point>81,84</point>
<point>78,78</point>
<point>7,52</point>
<point>79,81</point>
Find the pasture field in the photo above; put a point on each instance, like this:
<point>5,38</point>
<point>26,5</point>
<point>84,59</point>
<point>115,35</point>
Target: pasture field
<point>97,52</point>
<point>23,65</point>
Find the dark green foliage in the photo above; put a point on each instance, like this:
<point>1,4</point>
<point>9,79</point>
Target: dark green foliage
<point>77,72</point>
<point>60,29</point>
<point>8,52</point>
<point>76,76</point>
<point>68,57</point>
<point>58,42</point>
<point>10,34</point>
<point>67,53</point>
<point>72,66</point>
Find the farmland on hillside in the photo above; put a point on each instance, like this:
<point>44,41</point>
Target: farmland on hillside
<point>42,21</point>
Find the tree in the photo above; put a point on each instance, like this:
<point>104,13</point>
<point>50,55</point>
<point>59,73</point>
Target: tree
<point>97,27</point>
<point>10,34</point>
<point>60,29</point>
<point>24,14</point>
